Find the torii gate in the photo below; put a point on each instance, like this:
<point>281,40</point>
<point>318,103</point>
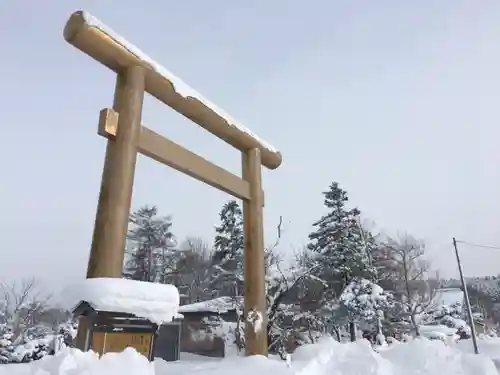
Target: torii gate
<point>121,125</point>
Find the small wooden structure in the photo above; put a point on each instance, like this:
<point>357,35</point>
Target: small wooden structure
<point>108,331</point>
<point>138,74</point>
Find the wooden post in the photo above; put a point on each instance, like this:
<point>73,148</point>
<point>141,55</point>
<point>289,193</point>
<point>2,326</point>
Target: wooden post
<point>254,267</point>
<point>113,209</point>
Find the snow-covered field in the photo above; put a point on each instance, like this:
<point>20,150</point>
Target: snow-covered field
<point>328,357</point>
<point>160,303</point>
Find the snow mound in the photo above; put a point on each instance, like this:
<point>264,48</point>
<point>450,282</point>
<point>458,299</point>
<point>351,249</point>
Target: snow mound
<point>423,356</point>
<point>156,302</point>
<point>327,357</point>
<point>129,362</point>
<point>489,346</point>
<point>75,362</point>
<point>418,357</point>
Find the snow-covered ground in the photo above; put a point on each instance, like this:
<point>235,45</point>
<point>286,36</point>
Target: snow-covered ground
<point>487,346</point>
<point>328,357</point>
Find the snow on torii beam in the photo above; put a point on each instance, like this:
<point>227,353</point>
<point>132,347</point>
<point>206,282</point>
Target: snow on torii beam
<point>98,41</point>
<point>121,125</point>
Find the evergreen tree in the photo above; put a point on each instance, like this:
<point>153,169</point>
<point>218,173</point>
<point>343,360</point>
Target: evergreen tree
<point>340,243</point>
<point>149,245</point>
<point>228,249</point>
<point>364,300</point>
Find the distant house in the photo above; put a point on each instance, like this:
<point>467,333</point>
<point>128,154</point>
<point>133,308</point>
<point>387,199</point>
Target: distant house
<point>202,320</point>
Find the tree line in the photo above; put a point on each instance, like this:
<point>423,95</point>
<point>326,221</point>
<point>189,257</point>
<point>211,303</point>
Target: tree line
<point>304,298</point>
<point>347,275</point>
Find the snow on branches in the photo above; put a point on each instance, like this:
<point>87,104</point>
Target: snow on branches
<point>364,300</point>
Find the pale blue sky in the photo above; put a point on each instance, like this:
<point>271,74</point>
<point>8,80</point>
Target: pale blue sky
<point>397,100</point>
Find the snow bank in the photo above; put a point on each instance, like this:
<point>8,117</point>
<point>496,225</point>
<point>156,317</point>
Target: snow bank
<point>129,362</point>
<point>418,357</point>
<point>327,357</point>
<point>75,362</point>
<point>157,302</point>
<point>488,346</point>
<point>423,356</point>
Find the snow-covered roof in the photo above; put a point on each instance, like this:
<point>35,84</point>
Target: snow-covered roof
<point>219,305</point>
<point>158,303</point>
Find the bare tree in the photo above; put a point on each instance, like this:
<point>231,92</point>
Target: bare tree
<point>198,246</point>
<point>190,269</point>
<point>404,262</point>
<point>21,306</point>
<point>150,243</point>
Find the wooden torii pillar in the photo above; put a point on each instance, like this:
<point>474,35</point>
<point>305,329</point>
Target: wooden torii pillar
<point>121,125</point>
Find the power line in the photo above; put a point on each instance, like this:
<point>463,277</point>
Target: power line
<point>477,245</point>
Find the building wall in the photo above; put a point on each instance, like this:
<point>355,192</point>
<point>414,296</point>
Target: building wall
<point>196,338</point>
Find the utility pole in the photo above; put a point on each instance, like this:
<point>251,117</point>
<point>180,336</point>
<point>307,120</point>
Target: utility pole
<point>374,280</point>
<point>466,296</point>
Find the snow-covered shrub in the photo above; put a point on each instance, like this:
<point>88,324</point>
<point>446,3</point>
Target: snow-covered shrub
<point>35,342</point>
<point>364,300</point>
<point>445,320</point>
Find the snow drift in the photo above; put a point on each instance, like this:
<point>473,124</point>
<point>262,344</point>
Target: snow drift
<point>419,357</point>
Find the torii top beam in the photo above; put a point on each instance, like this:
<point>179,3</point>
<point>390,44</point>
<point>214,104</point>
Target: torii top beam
<point>89,35</point>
